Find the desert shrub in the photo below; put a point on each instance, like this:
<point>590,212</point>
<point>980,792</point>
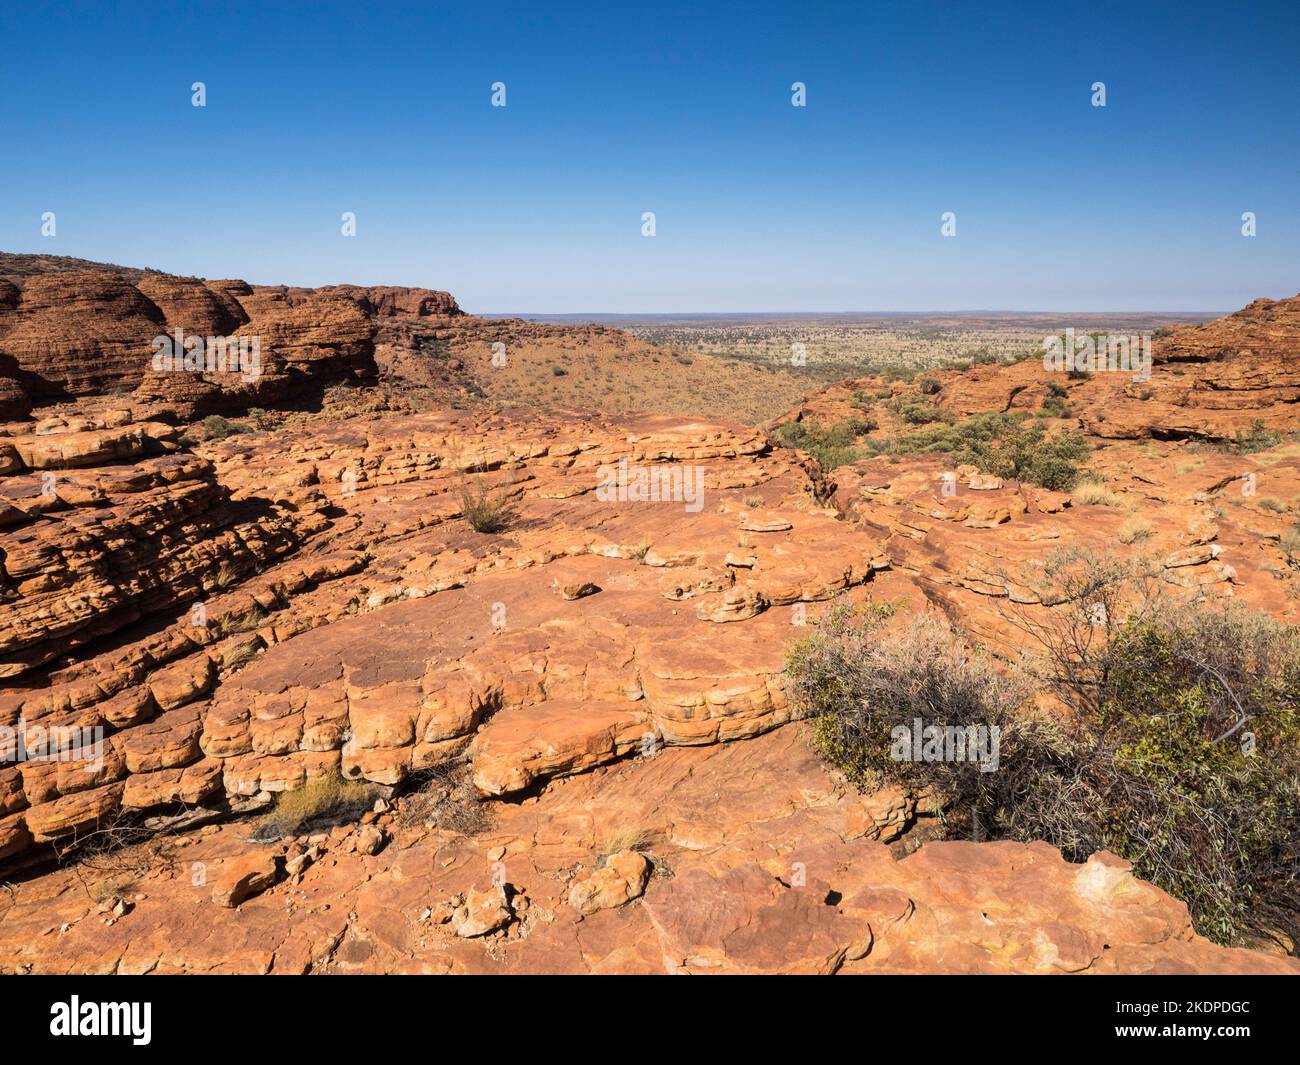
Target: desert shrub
<point>487,510</point>
<point>831,445</point>
<point>924,414</point>
<point>1054,404</point>
<point>218,428</point>
<point>444,797</point>
<point>1194,758</point>
<point>1258,438</point>
<point>860,682</point>
<point>930,386</point>
<point>1290,539</point>
<point>1180,751</point>
<point>261,418</point>
<point>1005,445</point>
<point>213,427</point>
<point>321,803</point>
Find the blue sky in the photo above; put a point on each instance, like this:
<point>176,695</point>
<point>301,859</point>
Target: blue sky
<point>913,109</point>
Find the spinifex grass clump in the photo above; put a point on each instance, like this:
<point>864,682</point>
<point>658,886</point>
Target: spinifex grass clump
<point>1179,748</point>
<point>487,510</point>
<point>321,803</point>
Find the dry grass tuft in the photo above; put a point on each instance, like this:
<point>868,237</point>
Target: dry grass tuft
<point>1096,495</point>
<point>1134,529</point>
<point>323,802</point>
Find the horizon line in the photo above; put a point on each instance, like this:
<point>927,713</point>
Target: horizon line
<point>795,314</point>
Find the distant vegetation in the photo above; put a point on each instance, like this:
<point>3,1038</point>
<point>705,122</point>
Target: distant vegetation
<point>999,443</point>
<point>14,264</point>
<point>1005,445</point>
<point>831,445</point>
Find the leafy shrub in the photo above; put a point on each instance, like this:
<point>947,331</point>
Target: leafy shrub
<point>924,414</point>
<point>1054,403</point>
<point>1181,751</point>
<point>1007,446</point>
<point>1259,438</point>
<point>215,427</point>
<point>833,445</point>
<point>861,682</point>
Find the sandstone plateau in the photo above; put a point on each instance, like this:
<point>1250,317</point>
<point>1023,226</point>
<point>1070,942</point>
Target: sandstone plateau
<point>242,615</point>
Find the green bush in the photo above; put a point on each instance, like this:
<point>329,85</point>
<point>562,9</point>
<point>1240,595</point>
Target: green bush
<point>861,682</point>
<point>1180,752</point>
<point>831,445</point>
<point>1259,438</point>
<point>1005,445</point>
<point>218,428</point>
<point>924,414</point>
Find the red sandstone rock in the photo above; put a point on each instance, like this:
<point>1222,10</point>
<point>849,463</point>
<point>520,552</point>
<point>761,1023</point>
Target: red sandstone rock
<point>242,878</point>
<point>620,880</point>
<point>350,623</point>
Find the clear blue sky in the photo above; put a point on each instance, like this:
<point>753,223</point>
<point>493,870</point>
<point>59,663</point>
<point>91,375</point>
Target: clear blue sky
<point>682,109</point>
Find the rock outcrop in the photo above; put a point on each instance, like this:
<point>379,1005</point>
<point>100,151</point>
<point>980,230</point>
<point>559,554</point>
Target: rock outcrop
<point>761,864</point>
<point>229,617</point>
<point>1210,382</point>
<point>92,333</point>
